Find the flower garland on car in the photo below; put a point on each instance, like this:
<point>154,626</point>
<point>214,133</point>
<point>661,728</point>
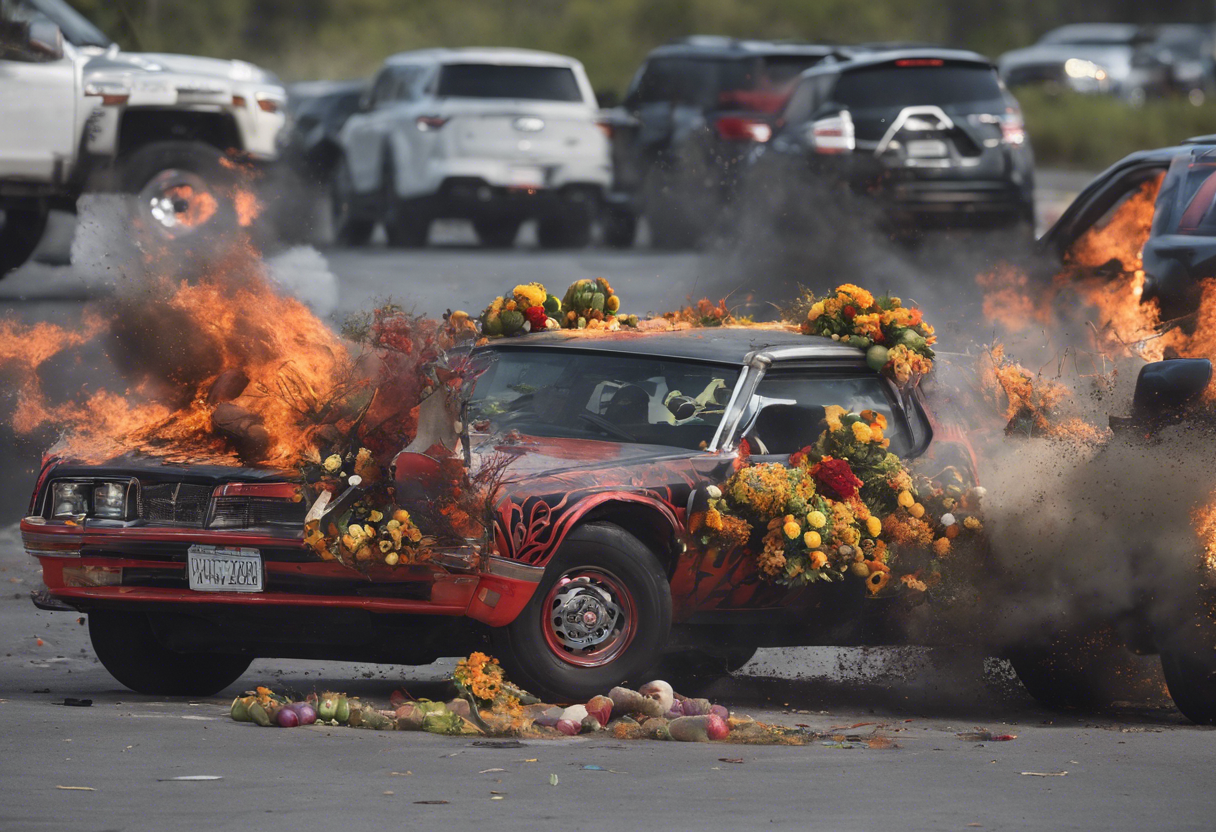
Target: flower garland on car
<point>897,340</point>
<point>588,304</point>
<point>844,506</point>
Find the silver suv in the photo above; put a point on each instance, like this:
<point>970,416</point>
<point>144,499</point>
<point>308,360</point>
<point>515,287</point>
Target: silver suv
<point>495,136</point>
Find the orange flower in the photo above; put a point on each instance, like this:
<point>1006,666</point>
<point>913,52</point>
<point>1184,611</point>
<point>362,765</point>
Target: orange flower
<point>941,546</point>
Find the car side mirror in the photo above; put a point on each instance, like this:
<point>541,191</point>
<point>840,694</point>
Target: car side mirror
<point>37,40</point>
<point>832,135</point>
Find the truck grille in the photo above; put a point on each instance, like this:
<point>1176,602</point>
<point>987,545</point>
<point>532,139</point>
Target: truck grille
<point>256,512</point>
<point>174,503</point>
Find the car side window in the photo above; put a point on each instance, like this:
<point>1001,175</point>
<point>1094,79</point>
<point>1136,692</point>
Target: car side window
<point>407,78</point>
<point>382,88</point>
<point>789,409</point>
<point>802,104</point>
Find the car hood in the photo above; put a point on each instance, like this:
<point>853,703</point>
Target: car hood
<point>533,456</point>
<point>117,62</point>
<point>1116,60</point>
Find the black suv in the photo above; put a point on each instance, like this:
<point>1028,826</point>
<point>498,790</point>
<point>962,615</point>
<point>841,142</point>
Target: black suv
<point>931,133</point>
<point>692,113</point>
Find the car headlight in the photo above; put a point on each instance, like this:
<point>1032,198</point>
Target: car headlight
<point>1080,68</point>
<point>110,500</point>
<point>96,498</point>
<point>69,499</point>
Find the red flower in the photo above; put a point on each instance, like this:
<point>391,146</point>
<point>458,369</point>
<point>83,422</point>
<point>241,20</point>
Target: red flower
<point>835,478</point>
<point>799,456</point>
<point>850,312</point>
<point>536,316</point>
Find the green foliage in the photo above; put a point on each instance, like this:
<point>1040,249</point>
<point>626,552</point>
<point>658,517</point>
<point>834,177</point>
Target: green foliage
<point>1091,132</point>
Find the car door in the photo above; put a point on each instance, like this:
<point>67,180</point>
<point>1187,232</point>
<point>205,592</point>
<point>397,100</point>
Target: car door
<point>362,135</point>
<point>39,100</point>
<point>784,414</point>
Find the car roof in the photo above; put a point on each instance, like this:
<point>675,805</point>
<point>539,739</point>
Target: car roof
<point>1106,31</point>
<point>482,55</point>
<point>725,47</point>
<point>882,54</point>
<point>719,345</point>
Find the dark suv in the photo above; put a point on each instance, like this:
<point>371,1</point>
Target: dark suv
<point>693,111</point>
<point>931,133</point>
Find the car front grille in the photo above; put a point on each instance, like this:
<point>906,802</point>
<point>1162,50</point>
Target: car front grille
<point>174,503</point>
<point>256,512</point>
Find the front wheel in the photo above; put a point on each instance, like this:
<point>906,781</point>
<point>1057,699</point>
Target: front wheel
<point>497,233</point>
<point>1086,671</point>
<point>20,232</point>
<point>179,189</point>
<point>129,649</point>
<point>1187,644</point>
<point>568,228</point>
<point>599,617</point>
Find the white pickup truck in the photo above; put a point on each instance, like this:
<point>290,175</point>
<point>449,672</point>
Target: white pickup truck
<point>78,114</point>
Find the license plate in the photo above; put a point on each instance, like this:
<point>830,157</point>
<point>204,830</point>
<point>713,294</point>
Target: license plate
<point>218,569</point>
<point>926,149</point>
<point>526,177</point>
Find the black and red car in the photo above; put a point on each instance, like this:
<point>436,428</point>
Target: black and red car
<point>590,569</point>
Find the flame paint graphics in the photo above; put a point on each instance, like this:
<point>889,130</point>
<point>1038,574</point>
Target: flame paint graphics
<point>173,340</point>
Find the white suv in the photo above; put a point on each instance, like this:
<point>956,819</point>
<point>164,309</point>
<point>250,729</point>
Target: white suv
<point>496,136</point>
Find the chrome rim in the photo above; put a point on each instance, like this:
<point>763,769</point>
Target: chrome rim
<point>589,617</point>
<point>177,202</point>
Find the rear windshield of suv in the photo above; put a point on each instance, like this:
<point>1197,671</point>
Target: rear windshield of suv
<point>755,82</point>
<point>538,83</point>
<point>895,86</point>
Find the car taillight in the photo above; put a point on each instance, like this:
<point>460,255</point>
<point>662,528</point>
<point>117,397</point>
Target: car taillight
<point>1013,129</point>
<point>268,103</point>
<point>428,124</point>
<point>834,135</point>
<point>605,128</point>
<point>737,128</point>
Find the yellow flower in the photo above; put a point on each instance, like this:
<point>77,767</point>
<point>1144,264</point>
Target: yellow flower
<point>917,510</point>
<point>713,519</point>
<point>874,526</point>
<point>816,520</point>
<point>392,558</point>
<point>332,463</point>
<point>816,311</point>
<point>859,295</point>
<point>812,540</point>
<point>906,499</point>
<point>973,524</point>
<point>792,530</point>
<point>850,536</point>
<point>530,294</point>
<point>833,414</point>
<point>375,516</point>
<point>861,432</point>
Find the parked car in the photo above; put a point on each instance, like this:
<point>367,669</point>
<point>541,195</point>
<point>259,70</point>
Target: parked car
<point>80,114</point>
<point>929,133</point>
<point>1180,251</point>
<point>496,136</point>
<point>1189,52</point>
<point>317,112</point>
<point>692,112</point>
<point>1121,59</point>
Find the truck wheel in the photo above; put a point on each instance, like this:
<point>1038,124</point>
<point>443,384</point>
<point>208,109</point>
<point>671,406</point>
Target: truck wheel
<point>131,652</point>
<point>600,617</point>
<point>405,226</point>
<point>348,229</point>
<point>497,233</point>
<point>620,228</point>
<point>569,227</point>
<point>179,188</point>
<point>20,232</point>
<point>1187,644</point>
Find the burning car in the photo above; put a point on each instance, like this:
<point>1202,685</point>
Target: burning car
<point>607,544</point>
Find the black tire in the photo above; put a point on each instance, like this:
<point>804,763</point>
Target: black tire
<point>620,228</point>
<point>527,651</point>
<point>174,185</point>
<point>20,232</point>
<point>349,229</point>
<point>405,226</point>
<point>1186,640</point>
<point>1074,671</point>
<point>129,649</point>
<point>568,228</point>
<point>497,233</point>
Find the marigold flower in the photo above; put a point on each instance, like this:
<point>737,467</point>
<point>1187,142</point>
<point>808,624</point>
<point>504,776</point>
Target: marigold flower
<point>833,413</point>
<point>818,559</point>
<point>792,530</point>
<point>973,523</point>
<point>530,294</point>
<point>916,510</point>
<point>332,463</point>
<point>713,519</point>
<point>906,499</point>
<point>859,295</point>
<point>816,519</point>
<point>952,531</point>
<point>873,526</point>
<point>816,311</point>
<point>861,432</point>
<point>812,540</point>
<point>941,547</point>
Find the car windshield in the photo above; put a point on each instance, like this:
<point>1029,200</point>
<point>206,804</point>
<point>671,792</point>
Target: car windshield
<point>1094,35</point>
<point>755,82</point>
<point>602,396</point>
<point>791,408</point>
<point>539,83</point>
<point>77,30</point>
<point>916,82</point>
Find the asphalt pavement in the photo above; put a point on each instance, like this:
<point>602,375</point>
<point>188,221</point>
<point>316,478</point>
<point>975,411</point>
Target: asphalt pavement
<point>112,764</point>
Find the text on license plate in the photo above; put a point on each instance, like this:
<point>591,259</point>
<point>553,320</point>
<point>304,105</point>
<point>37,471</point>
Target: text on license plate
<point>218,569</point>
<point>926,148</point>
<point>526,177</point>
